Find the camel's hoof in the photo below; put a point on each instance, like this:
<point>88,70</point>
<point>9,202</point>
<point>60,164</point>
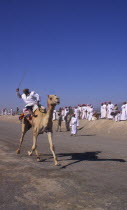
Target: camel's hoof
<point>29,153</point>
<point>38,159</point>
<point>57,164</point>
<point>18,151</point>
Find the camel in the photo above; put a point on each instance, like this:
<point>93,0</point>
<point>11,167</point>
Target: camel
<point>41,122</point>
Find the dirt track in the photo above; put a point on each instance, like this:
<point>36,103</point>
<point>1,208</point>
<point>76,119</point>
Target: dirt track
<point>92,175</point>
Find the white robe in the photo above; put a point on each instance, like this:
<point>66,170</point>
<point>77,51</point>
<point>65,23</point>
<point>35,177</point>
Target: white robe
<point>63,113</point>
<point>91,110</point>
<point>104,113</point>
<point>110,108</point>
<point>123,114</point>
<point>54,115</point>
<point>118,117</point>
<point>31,99</point>
<point>87,113</point>
<point>73,125</point>
<point>83,112</point>
<point>76,112</point>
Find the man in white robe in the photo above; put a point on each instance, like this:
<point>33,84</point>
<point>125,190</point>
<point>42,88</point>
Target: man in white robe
<point>80,111</point>
<point>30,98</point>
<point>87,111</point>
<point>54,115</point>
<point>110,108</point>
<point>83,111</point>
<point>63,113</point>
<point>123,113</point>
<point>91,111</point>
<point>101,111</point>
<point>73,125</point>
<point>118,116</point>
<point>104,110</point>
<point>76,112</point>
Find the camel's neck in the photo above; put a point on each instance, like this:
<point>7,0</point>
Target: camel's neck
<point>50,109</point>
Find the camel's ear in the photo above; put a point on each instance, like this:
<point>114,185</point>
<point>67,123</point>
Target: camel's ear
<point>48,96</point>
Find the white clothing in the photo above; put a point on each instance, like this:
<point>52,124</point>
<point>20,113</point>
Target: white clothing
<point>87,112</point>
<point>110,108</point>
<point>54,115</point>
<point>118,117</point>
<point>73,124</point>
<point>31,99</point>
<point>63,113</point>
<point>84,112</point>
<point>104,111</point>
<point>90,113</point>
<point>123,114</point>
<point>11,111</point>
<point>76,112</point>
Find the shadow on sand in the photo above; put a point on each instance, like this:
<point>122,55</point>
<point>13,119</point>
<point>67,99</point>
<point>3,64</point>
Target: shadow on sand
<point>87,135</point>
<point>89,156</point>
<point>80,128</point>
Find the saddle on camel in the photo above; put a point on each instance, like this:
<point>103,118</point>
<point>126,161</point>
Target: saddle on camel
<point>41,122</point>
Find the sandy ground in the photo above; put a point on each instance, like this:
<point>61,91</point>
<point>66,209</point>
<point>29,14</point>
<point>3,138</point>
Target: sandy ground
<point>99,127</point>
<point>92,175</point>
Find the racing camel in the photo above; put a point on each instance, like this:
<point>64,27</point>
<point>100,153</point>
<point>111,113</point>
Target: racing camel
<point>41,122</point>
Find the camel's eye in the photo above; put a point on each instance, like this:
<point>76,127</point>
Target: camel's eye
<point>50,98</point>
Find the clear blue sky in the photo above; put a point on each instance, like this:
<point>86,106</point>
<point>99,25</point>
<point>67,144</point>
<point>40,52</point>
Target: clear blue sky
<point>76,49</point>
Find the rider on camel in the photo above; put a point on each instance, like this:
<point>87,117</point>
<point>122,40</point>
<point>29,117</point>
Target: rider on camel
<point>30,99</point>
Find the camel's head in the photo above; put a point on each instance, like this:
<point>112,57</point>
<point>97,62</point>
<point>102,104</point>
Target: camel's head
<point>53,100</point>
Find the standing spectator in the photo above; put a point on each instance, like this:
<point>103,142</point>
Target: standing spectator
<point>91,111</point>
<point>104,110</point>
<point>102,116</point>
<point>11,111</point>
<point>110,108</point>
<point>54,114</point>
<point>17,110</point>
<point>77,112</point>
<point>123,114</point>
<point>59,122</point>
<point>73,125</point>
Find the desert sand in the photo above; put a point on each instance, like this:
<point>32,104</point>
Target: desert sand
<point>92,175</point>
<point>101,127</point>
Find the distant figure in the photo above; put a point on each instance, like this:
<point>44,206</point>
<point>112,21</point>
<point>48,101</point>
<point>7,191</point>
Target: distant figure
<point>110,108</point>
<point>59,122</point>
<point>91,111</point>
<point>123,114</point>
<point>101,111</point>
<point>118,116</point>
<point>84,111</point>
<point>30,99</point>
<point>73,125</point>
<point>77,113</point>
<point>54,115</point>
<point>2,111</point>
<point>11,111</point>
<point>5,111</point>
<point>17,110</point>
<point>115,107</point>
<point>104,110</point>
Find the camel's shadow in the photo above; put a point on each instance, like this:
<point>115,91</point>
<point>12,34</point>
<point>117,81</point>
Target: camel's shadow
<point>86,156</point>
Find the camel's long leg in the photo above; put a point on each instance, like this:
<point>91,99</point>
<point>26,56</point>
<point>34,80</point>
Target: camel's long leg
<point>24,130</point>
<point>52,147</point>
<point>34,146</point>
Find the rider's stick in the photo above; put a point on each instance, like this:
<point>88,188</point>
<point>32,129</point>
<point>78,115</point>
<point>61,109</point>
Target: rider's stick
<point>22,79</point>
